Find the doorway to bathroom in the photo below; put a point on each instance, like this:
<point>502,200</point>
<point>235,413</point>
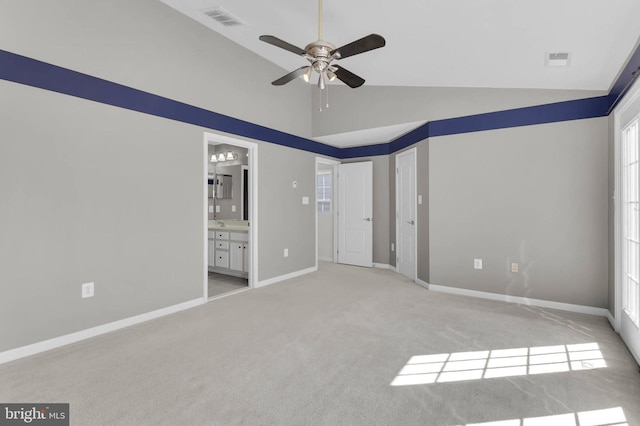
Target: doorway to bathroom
<point>230,225</point>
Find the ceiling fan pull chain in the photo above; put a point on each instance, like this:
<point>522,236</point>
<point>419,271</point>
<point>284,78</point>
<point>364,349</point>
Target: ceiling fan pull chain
<point>327,96</point>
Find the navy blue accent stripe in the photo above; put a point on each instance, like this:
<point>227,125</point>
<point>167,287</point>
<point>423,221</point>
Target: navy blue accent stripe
<point>23,70</point>
<point>365,151</point>
<point>31,72</point>
<point>527,116</point>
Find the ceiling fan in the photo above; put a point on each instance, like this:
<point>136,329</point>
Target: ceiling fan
<point>321,54</point>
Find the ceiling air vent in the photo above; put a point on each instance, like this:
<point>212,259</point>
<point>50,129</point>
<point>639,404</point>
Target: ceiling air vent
<point>558,59</point>
<point>223,16</point>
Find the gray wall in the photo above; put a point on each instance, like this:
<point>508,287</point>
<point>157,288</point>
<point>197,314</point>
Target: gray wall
<point>535,195</point>
<point>284,222</point>
<point>92,193</point>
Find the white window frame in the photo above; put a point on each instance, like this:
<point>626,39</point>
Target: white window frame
<point>630,284</point>
<point>324,200</point>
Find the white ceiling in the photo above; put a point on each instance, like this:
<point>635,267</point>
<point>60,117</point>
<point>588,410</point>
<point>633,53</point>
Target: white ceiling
<point>447,43</point>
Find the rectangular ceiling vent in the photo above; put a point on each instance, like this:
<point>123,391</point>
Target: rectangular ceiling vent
<point>557,59</point>
<point>223,16</point>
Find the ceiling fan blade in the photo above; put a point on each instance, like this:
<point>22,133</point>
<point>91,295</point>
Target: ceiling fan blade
<point>348,78</point>
<point>289,77</point>
<point>365,44</point>
<point>282,44</point>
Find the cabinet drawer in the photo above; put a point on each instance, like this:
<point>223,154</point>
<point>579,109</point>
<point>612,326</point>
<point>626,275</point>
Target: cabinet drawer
<point>239,236</point>
<point>222,235</point>
<point>222,259</point>
<point>222,245</point>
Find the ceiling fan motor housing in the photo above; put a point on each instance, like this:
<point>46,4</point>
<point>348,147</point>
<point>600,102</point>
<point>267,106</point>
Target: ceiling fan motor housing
<point>319,54</point>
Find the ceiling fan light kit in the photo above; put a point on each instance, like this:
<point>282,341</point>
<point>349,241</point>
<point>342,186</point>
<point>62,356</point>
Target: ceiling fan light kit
<point>321,54</point>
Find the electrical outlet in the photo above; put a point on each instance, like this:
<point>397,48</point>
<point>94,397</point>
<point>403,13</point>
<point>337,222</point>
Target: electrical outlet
<point>286,252</point>
<point>233,208</point>
<point>210,209</point>
<point>477,263</point>
<point>419,199</point>
<point>87,290</point>
<point>217,209</point>
<point>514,267</point>
<point>305,200</point>
<point>393,247</point>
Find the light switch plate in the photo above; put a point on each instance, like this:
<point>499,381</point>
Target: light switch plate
<point>233,208</point>
<point>477,263</point>
<point>294,184</point>
<point>217,209</point>
<point>87,290</point>
<point>210,209</point>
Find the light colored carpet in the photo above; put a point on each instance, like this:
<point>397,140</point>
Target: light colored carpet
<point>323,349</point>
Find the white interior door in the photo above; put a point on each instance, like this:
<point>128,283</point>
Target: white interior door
<point>355,213</point>
<point>406,235</point>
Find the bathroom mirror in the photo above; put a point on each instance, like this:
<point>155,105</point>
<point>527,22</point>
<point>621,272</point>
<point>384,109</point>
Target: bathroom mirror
<point>223,186</point>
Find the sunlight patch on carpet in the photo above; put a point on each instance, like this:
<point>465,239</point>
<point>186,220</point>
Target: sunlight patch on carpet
<point>462,366</point>
<point>607,417</point>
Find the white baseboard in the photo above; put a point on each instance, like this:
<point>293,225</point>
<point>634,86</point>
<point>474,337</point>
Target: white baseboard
<point>56,342</point>
<point>384,266</point>
<point>285,277</point>
<point>521,300</point>
<point>612,320</point>
<point>422,283</point>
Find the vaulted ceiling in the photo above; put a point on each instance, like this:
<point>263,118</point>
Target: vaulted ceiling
<point>445,43</point>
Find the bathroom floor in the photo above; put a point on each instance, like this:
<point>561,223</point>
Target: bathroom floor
<point>220,283</point>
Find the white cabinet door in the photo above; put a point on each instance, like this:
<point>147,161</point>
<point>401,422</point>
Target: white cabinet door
<point>245,253</point>
<point>235,249</point>
<point>212,261</point>
<point>222,259</point>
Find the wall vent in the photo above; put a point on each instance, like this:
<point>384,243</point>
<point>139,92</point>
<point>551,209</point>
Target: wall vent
<point>557,59</point>
<point>224,17</point>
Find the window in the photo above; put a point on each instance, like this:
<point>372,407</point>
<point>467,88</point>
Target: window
<point>323,191</point>
<point>630,223</point>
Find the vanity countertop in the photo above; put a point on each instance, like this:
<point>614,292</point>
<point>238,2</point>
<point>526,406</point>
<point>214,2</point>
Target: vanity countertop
<point>231,225</point>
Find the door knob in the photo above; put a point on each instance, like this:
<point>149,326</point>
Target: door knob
<point>411,222</point>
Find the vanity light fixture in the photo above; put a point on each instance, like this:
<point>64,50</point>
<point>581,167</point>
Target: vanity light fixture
<point>229,156</point>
